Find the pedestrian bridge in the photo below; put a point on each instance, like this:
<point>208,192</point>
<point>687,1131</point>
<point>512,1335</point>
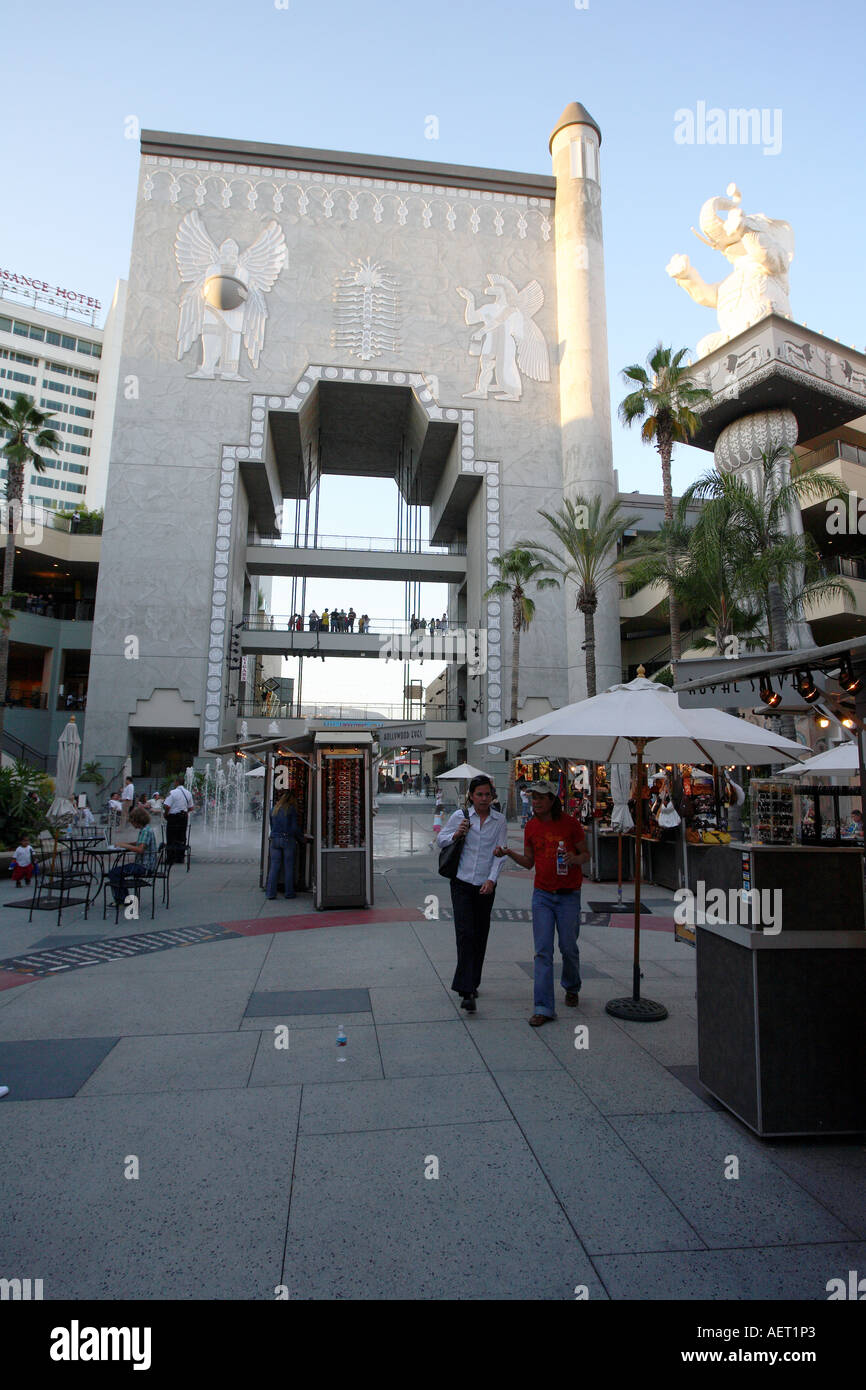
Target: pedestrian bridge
<point>358,557</point>
<point>388,640</point>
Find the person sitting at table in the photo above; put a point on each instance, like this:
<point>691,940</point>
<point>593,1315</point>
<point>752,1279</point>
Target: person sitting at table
<point>84,816</point>
<point>854,829</point>
<point>145,850</point>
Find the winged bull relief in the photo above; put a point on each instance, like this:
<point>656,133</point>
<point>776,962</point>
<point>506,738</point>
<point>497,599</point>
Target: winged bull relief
<point>225,302</point>
<point>507,341</point>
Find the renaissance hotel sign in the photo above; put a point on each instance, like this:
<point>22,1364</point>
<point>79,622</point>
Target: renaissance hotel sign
<point>41,292</point>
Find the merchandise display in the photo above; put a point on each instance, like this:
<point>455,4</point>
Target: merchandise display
<point>772,812</point>
<point>343,824</point>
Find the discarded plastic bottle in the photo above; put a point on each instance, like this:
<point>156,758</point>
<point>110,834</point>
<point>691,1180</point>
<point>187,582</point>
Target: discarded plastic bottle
<point>341,1043</point>
<point>561,859</point>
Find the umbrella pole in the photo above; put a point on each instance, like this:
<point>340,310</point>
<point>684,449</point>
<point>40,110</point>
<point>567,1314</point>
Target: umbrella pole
<point>619,869</point>
<point>638,866</point>
<point>636,1009</point>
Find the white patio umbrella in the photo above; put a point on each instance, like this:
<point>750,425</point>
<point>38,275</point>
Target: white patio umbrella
<point>68,756</point>
<point>620,724</point>
<point>620,787</point>
<point>836,762</point>
<point>256,772</point>
<point>464,772</point>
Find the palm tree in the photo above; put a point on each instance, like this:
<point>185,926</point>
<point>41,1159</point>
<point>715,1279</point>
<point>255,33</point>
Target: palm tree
<point>784,570</point>
<point>665,401</point>
<point>698,563</point>
<point>517,569</point>
<point>27,435</point>
<point>588,535</point>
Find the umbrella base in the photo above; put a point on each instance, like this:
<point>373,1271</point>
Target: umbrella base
<point>636,1010</point>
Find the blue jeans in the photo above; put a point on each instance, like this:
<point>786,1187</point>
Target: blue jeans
<point>549,911</point>
<point>282,859</point>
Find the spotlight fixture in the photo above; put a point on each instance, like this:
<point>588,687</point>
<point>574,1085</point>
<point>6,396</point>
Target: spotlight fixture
<point>846,678</point>
<point>770,696</point>
<point>823,723</point>
<point>848,723</point>
<point>806,687</point>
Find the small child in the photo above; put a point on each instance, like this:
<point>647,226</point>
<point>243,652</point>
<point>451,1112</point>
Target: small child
<point>24,866</point>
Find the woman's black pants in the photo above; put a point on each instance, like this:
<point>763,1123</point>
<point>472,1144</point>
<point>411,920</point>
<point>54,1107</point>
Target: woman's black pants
<point>472,910</point>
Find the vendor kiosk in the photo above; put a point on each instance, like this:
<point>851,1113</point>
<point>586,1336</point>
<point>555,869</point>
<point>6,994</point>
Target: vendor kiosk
<point>343,834</point>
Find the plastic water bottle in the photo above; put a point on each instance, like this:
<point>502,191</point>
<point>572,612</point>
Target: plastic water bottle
<point>341,1043</point>
<point>561,859</point>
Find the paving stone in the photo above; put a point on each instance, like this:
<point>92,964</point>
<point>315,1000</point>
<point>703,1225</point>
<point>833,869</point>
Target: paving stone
<point>427,1049</point>
<point>799,1273</point>
<point>687,1155</point>
<point>46,1068</point>
<point>366,1223</point>
<point>190,1062</point>
<point>269,1003</point>
<point>402,1103</point>
<point>313,1056</point>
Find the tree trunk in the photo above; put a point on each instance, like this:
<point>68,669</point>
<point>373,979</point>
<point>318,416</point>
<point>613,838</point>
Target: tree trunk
<point>511,801</point>
<point>13,492</point>
<point>665,448</point>
<point>588,608</point>
<point>779,643</point>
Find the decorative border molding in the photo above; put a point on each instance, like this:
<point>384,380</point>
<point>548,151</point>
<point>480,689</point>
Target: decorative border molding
<point>220,613</point>
<point>426,391</point>
<point>201,181</point>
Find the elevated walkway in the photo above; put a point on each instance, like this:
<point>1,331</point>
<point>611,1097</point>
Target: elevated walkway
<point>352,558</point>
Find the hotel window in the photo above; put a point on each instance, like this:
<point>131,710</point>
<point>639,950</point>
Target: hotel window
<point>5,324</point>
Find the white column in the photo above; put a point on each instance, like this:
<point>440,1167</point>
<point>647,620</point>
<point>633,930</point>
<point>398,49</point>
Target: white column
<point>584,384</point>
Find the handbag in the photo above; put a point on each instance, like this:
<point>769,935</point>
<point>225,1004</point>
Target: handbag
<point>449,858</point>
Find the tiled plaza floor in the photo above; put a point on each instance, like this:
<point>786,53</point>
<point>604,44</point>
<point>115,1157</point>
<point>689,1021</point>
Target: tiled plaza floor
<point>182,1124</point>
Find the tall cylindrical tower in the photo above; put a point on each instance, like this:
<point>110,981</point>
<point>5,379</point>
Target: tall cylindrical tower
<point>584,384</point>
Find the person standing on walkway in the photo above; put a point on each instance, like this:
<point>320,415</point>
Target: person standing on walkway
<point>177,806</point>
<point>483,832</point>
<point>127,800</point>
<point>285,836</point>
<point>555,846</point>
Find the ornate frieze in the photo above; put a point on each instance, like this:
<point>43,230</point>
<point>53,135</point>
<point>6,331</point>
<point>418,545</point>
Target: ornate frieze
<point>390,202</point>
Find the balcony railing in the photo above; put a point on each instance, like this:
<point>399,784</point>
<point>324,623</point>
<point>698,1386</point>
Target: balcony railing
<point>76,610</point>
<point>836,449</point>
<point>847,566</point>
<point>385,544</point>
<point>19,698</point>
<point>378,627</point>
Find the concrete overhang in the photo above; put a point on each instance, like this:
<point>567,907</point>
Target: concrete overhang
<point>60,545</point>
<point>359,429</point>
<point>778,364</point>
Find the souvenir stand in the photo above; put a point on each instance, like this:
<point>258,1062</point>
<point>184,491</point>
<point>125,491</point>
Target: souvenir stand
<point>344,818</point>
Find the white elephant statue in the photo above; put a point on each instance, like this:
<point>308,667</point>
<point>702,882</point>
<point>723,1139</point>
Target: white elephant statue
<point>759,248</point>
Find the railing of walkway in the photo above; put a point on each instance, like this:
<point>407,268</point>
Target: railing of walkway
<point>385,544</point>
<point>376,627</point>
<point>275,709</point>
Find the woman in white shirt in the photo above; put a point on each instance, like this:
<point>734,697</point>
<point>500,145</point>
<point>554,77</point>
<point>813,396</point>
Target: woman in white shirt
<point>472,891</point>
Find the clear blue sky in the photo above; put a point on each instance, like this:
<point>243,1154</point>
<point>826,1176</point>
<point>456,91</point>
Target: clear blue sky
<point>363,77</point>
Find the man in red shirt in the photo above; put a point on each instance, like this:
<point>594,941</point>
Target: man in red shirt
<point>555,846</point>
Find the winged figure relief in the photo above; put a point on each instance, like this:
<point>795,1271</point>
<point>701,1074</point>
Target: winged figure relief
<point>507,341</point>
<point>225,301</point>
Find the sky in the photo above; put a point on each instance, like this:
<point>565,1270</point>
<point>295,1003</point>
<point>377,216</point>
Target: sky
<point>333,74</point>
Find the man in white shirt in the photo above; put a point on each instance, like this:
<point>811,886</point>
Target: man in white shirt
<point>127,798</point>
<point>177,806</point>
<point>472,890</point>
